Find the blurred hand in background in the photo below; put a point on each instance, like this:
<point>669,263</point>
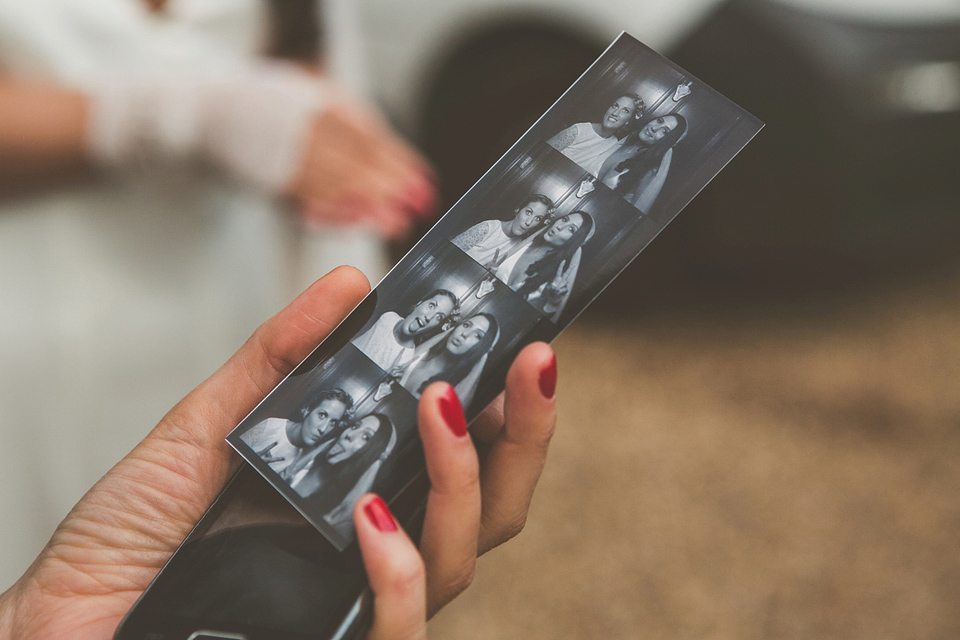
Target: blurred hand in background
<point>274,127</point>
<point>356,169</point>
<point>151,156</point>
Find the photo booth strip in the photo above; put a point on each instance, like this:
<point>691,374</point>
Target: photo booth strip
<point>514,261</point>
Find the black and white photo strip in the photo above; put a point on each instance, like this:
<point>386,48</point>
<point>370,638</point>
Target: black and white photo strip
<point>646,129</point>
<point>348,426</point>
<point>322,438</point>
<point>548,231</point>
<point>513,262</point>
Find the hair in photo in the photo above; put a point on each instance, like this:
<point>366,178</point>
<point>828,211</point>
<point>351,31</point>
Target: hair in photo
<point>336,481</point>
<point>543,270</point>
<point>542,199</point>
<point>639,111</point>
<point>462,364</point>
<point>327,394</point>
<point>649,159</point>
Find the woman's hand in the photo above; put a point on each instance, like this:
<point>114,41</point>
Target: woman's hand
<point>124,529</point>
<point>357,170</point>
<point>470,508</point>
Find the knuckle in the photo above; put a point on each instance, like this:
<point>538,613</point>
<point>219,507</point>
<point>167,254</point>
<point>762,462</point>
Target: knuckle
<point>462,482</point>
<point>513,528</point>
<point>542,435</point>
<point>459,580</point>
<point>495,412</point>
<point>271,352</point>
<point>407,576</point>
<point>500,527</point>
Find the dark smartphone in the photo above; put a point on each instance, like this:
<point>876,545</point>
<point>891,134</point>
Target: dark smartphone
<point>254,569</point>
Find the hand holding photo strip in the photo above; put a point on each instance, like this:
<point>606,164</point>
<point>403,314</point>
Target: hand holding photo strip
<point>522,253</point>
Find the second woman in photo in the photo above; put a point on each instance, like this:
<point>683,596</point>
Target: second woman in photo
<point>457,357</point>
<point>345,470</point>
<point>544,268</point>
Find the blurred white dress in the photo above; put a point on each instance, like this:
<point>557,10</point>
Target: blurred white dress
<point>117,296</point>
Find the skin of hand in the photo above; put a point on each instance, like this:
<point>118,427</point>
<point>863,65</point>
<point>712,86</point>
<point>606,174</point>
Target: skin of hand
<point>113,542</point>
<point>357,170</point>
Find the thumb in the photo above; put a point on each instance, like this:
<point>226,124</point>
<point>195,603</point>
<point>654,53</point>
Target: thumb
<point>188,445</point>
<point>211,410</point>
<point>161,488</point>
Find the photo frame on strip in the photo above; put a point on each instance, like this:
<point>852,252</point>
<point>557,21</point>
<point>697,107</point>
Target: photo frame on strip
<point>514,261</point>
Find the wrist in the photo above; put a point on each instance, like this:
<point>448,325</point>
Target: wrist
<point>142,120</point>
<point>252,123</point>
<point>259,126</point>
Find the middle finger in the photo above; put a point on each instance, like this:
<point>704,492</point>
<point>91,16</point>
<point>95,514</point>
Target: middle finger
<point>452,522</point>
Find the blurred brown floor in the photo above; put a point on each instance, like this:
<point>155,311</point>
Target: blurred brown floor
<point>791,474</point>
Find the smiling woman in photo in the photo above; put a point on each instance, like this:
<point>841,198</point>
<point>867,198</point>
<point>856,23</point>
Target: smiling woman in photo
<point>544,268</point>
<point>486,241</point>
<point>590,143</point>
<point>638,169</point>
<point>391,341</point>
<point>456,357</point>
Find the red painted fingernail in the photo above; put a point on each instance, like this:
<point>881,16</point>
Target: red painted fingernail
<point>379,515</point>
<point>452,413</point>
<point>548,378</point>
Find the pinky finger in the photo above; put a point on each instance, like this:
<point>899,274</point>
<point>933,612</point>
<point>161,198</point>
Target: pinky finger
<point>395,571</point>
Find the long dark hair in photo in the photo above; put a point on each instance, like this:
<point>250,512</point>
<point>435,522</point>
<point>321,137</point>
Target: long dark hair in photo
<point>336,480</point>
<point>647,158</point>
<point>545,269</point>
<point>458,366</point>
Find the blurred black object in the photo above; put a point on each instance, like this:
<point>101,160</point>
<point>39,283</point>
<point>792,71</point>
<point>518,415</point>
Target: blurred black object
<point>852,183</point>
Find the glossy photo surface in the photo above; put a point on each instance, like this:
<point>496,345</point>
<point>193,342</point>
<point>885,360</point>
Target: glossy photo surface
<point>522,253</point>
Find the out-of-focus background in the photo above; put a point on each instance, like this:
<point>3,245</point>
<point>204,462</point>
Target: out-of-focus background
<point>760,420</point>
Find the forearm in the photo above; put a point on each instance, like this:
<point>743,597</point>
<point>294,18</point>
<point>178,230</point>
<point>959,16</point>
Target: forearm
<point>42,129</point>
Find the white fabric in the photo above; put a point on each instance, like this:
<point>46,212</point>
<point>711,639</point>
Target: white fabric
<point>268,438</point>
<point>485,242</point>
<point>504,270</point>
<point>119,296</point>
<point>380,344</point>
<point>589,149</point>
<point>253,122</point>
